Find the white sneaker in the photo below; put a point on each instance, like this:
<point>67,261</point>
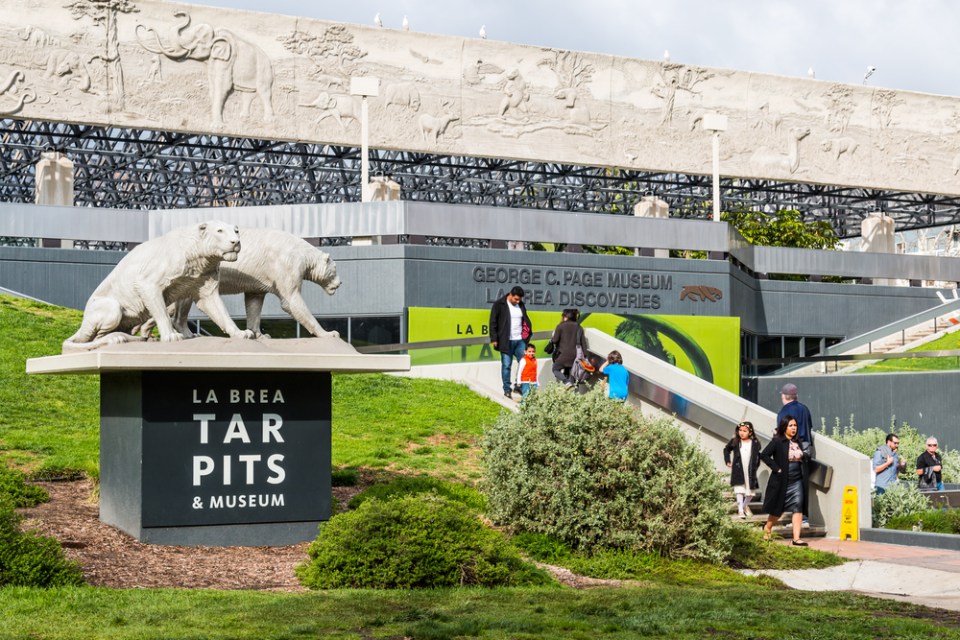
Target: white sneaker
<point>747,511</point>
<point>806,524</point>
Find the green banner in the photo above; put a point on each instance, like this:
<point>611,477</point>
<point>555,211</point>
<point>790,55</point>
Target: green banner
<point>706,346</point>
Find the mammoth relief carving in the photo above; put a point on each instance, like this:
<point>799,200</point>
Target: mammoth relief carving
<point>339,107</point>
<point>13,85</point>
<point>233,64</point>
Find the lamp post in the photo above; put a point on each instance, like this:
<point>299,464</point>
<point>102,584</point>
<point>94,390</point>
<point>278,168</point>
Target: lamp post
<point>365,88</point>
<point>715,122</point>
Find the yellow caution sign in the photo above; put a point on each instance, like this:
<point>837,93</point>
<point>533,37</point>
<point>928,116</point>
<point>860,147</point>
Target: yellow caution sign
<point>849,521</point>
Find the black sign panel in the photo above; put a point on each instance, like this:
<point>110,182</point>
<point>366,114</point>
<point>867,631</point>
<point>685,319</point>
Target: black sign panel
<point>235,447</point>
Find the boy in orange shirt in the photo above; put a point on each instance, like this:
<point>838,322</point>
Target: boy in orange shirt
<point>528,371</point>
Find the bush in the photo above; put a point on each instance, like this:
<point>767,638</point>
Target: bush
<point>900,499</point>
<point>931,521</point>
<point>14,485</point>
<point>411,542</point>
<point>28,559</point>
<point>415,485</point>
<point>593,473</point>
<point>912,444</point>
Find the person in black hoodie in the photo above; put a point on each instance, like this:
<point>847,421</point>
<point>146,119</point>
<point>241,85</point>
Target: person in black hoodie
<point>510,328</point>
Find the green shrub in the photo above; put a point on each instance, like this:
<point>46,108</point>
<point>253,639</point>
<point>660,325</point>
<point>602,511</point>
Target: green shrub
<point>900,499</point>
<point>930,521</point>
<point>14,485</point>
<point>594,473</point>
<point>410,542</point>
<point>415,485</point>
<point>28,559</point>
<point>912,444</point>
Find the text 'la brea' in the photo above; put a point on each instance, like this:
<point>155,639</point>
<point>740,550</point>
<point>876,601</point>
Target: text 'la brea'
<point>239,396</point>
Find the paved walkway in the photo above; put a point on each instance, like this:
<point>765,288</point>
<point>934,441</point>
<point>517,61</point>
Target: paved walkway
<point>930,577</point>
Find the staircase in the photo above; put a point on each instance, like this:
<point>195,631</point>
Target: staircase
<point>783,528</point>
<point>895,342</point>
<point>901,341</point>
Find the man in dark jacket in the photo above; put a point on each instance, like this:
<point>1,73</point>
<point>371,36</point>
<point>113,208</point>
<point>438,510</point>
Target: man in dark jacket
<point>507,334</point>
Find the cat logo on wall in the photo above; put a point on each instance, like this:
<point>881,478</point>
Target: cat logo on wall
<point>700,293</point>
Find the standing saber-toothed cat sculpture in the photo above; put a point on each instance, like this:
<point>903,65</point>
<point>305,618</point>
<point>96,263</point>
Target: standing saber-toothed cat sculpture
<point>183,264</point>
<point>276,262</point>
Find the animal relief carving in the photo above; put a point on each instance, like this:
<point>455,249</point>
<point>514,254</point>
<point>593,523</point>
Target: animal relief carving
<point>700,293</point>
<point>404,94</point>
<point>432,127</point>
<point>233,63</point>
<point>768,159</point>
<point>339,107</point>
<point>13,87</point>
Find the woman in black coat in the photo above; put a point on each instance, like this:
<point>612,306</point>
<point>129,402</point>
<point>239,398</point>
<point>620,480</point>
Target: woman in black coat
<point>566,338</point>
<point>742,456</point>
<point>788,487</point>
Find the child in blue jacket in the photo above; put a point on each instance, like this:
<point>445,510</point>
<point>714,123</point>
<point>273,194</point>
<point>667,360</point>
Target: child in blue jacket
<point>618,378</point>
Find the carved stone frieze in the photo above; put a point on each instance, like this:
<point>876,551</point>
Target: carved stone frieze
<point>162,65</point>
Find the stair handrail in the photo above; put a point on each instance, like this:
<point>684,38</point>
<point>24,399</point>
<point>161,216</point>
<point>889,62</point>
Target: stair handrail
<point>845,346</point>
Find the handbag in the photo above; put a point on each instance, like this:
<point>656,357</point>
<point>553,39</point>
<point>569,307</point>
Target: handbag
<point>928,481</point>
<point>551,346</point>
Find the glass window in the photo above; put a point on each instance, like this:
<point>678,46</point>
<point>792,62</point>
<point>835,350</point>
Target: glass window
<point>339,325</point>
<point>374,330</point>
<point>791,346</point>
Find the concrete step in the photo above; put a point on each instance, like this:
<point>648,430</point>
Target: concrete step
<point>784,528</point>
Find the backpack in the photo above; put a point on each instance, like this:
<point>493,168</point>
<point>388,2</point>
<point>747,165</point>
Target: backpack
<point>581,369</point>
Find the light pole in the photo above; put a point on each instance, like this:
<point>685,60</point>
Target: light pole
<point>365,88</point>
<point>715,122</point>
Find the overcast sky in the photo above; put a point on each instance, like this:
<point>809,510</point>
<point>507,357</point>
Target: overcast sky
<point>914,44</point>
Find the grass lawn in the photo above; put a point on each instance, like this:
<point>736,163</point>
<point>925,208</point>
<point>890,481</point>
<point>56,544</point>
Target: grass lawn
<point>655,611</point>
<point>50,423</point>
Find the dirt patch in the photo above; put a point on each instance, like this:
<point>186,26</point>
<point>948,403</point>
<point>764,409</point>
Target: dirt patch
<point>111,558</point>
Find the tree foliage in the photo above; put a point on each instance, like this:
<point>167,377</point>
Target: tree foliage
<point>785,228</point>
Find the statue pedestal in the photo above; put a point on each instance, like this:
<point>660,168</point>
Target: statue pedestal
<point>217,442</point>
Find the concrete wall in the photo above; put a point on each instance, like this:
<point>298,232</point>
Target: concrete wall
<point>927,401</point>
